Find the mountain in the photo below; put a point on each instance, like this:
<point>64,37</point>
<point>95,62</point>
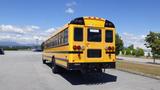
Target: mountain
<point>12,43</point>
<point>8,43</point>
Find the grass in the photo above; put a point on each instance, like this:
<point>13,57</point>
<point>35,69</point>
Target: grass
<point>145,69</point>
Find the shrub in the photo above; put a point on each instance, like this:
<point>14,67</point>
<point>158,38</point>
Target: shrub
<point>139,52</point>
<point>128,51</point>
<point>134,52</point>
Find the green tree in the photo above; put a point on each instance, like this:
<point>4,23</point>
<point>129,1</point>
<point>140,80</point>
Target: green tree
<point>134,52</point>
<point>139,52</point>
<point>131,47</point>
<point>153,42</point>
<point>128,51</point>
<point>123,51</point>
<point>119,44</point>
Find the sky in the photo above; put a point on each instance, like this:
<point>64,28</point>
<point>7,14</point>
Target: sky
<point>24,21</point>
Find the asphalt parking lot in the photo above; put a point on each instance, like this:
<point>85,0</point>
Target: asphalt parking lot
<point>23,70</point>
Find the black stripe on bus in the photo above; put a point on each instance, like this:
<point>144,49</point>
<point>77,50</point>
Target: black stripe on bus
<point>62,59</point>
<point>111,52</point>
<point>69,52</point>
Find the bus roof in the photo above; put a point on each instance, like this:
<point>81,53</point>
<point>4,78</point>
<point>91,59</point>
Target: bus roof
<point>81,21</point>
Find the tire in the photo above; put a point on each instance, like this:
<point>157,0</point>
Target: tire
<point>55,68</point>
<point>43,61</point>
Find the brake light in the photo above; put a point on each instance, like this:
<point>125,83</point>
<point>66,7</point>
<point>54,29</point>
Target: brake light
<point>74,47</point>
<point>77,47</point>
<point>110,48</point>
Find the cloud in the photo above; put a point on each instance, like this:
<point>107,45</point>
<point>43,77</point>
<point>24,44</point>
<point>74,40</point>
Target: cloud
<point>11,29</point>
<point>137,40</point>
<point>22,39</point>
<point>16,29</point>
<point>70,4</point>
<point>35,27</point>
<point>29,35</point>
<point>5,37</point>
<point>70,7</point>
<point>50,30</point>
<point>69,10</point>
<point>24,34</point>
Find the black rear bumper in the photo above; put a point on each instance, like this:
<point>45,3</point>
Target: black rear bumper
<point>80,66</point>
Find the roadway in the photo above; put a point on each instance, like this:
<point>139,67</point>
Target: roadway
<point>23,70</point>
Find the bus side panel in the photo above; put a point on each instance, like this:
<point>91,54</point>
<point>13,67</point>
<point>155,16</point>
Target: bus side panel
<point>59,53</point>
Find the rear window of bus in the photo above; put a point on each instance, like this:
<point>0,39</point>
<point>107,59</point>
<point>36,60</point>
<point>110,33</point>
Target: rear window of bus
<point>109,36</point>
<point>78,34</point>
<point>94,35</point>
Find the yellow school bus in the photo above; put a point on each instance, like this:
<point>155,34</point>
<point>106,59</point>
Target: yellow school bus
<point>85,43</point>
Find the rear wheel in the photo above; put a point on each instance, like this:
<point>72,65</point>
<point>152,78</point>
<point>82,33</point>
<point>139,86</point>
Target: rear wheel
<point>43,60</point>
<point>55,68</point>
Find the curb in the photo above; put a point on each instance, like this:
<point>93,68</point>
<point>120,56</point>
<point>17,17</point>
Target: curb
<point>139,73</point>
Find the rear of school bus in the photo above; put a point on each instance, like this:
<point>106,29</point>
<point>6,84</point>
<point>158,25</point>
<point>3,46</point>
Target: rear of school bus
<point>92,40</point>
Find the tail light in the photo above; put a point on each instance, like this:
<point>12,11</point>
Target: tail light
<point>74,47</point>
<point>110,48</point>
<point>77,47</point>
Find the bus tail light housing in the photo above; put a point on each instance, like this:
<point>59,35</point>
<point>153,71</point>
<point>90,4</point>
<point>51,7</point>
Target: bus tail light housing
<point>110,48</point>
<point>76,47</point>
